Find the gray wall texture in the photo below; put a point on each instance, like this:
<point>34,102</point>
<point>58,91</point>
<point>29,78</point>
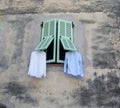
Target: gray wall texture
<point>96,36</point>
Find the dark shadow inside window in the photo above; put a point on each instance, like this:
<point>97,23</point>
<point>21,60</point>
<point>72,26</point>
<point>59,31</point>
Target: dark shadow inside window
<point>62,52</point>
<point>49,51</point>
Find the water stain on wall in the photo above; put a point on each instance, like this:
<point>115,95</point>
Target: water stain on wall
<point>3,62</point>
<point>19,91</point>
<point>19,26</point>
<point>103,91</point>
<point>103,49</point>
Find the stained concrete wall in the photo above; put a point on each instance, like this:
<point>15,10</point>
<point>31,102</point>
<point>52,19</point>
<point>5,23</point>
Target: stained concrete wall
<point>96,36</point>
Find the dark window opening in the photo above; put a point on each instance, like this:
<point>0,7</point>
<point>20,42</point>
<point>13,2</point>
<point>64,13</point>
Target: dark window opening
<point>49,51</point>
<point>62,52</point>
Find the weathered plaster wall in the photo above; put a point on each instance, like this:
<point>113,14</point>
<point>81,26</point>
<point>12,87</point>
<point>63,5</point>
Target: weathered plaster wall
<point>97,36</point>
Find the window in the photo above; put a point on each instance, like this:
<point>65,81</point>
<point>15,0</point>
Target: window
<point>57,38</point>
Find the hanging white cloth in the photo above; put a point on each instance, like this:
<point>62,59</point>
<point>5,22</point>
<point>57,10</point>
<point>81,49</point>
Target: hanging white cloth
<point>73,64</point>
<point>37,66</point>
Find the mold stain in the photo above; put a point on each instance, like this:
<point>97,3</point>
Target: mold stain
<point>19,25</point>
<point>103,91</point>
<point>19,91</point>
<point>103,50</point>
<point>104,60</point>
<point>3,62</point>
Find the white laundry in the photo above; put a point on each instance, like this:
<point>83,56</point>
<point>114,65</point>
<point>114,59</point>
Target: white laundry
<point>37,66</point>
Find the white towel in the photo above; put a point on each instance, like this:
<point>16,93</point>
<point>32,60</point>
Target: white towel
<point>37,66</point>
